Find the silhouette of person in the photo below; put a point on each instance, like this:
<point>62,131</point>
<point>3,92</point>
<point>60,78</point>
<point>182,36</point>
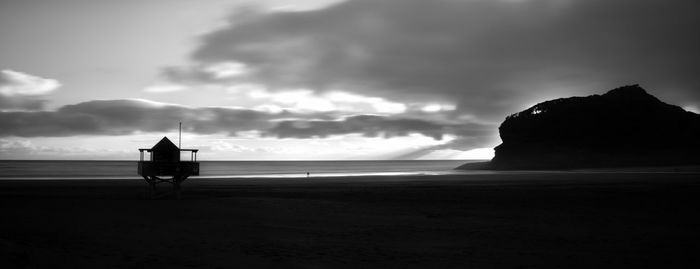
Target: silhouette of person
<point>307,174</point>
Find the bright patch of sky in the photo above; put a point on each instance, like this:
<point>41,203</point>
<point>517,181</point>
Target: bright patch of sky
<point>308,100</point>
<point>692,108</point>
<point>221,147</point>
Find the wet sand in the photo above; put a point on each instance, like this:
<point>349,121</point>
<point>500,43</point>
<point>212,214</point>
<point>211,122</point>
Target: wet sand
<point>501,220</point>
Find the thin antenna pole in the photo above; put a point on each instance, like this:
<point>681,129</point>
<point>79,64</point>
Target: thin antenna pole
<point>179,137</point>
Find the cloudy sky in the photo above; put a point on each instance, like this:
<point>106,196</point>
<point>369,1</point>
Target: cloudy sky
<point>320,79</point>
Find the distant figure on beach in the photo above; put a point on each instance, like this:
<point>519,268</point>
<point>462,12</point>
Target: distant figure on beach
<point>307,174</point>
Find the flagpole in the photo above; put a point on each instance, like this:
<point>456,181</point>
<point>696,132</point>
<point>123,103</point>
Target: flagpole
<point>179,137</point>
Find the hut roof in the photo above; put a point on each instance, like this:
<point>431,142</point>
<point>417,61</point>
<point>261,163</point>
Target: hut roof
<point>165,145</point>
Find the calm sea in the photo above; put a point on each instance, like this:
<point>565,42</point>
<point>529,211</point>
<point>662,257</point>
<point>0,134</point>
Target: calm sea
<point>224,169</point>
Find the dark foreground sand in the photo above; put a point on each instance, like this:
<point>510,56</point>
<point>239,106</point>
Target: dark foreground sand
<point>511,220</point>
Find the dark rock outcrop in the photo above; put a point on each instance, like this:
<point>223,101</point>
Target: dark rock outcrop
<point>624,127</point>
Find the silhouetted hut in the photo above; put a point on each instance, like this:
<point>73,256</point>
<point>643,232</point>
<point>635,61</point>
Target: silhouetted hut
<point>165,165</point>
<point>165,151</point>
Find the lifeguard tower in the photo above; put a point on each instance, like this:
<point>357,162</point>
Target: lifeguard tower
<point>164,165</point>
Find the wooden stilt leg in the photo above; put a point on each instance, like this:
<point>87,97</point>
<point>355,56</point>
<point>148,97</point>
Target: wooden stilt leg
<point>153,188</point>
<point>176,186</point>
<point>176,181</point>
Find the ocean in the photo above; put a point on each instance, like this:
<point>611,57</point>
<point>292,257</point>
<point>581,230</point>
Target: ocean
<point>16,169</point>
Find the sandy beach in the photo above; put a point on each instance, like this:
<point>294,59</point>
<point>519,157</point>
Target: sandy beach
<point>579,219</point>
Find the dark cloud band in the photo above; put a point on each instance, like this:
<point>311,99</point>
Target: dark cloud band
<point>123,117</point>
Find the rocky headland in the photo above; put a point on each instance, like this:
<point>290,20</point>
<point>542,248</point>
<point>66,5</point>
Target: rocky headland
<point>622,128</point>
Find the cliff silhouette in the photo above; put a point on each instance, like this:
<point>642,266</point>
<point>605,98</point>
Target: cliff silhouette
<point>621,128</point>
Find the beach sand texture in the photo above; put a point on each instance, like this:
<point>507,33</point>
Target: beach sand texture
<point>504,220</point>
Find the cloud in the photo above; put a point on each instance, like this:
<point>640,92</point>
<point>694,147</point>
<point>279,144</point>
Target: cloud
<point>119,117</point>
<point>12,145</point>
<point>18,83</point>
<point>228,147</point>
<point>21,102</point>
<point>365,124</point>
<point>164,88</point>
<point>373,126</point>
<point>491,58</point>
<point>123,117</point>
<point>20,91</point>
<point>19,148</point>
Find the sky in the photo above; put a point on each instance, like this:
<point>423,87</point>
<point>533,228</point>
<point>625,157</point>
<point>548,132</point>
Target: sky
<point>320,79</point>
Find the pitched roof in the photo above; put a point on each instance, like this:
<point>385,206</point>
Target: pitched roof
<point>164,145</point>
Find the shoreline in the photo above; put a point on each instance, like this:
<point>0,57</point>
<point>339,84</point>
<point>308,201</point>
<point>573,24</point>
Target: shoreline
<point>395,174</point>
